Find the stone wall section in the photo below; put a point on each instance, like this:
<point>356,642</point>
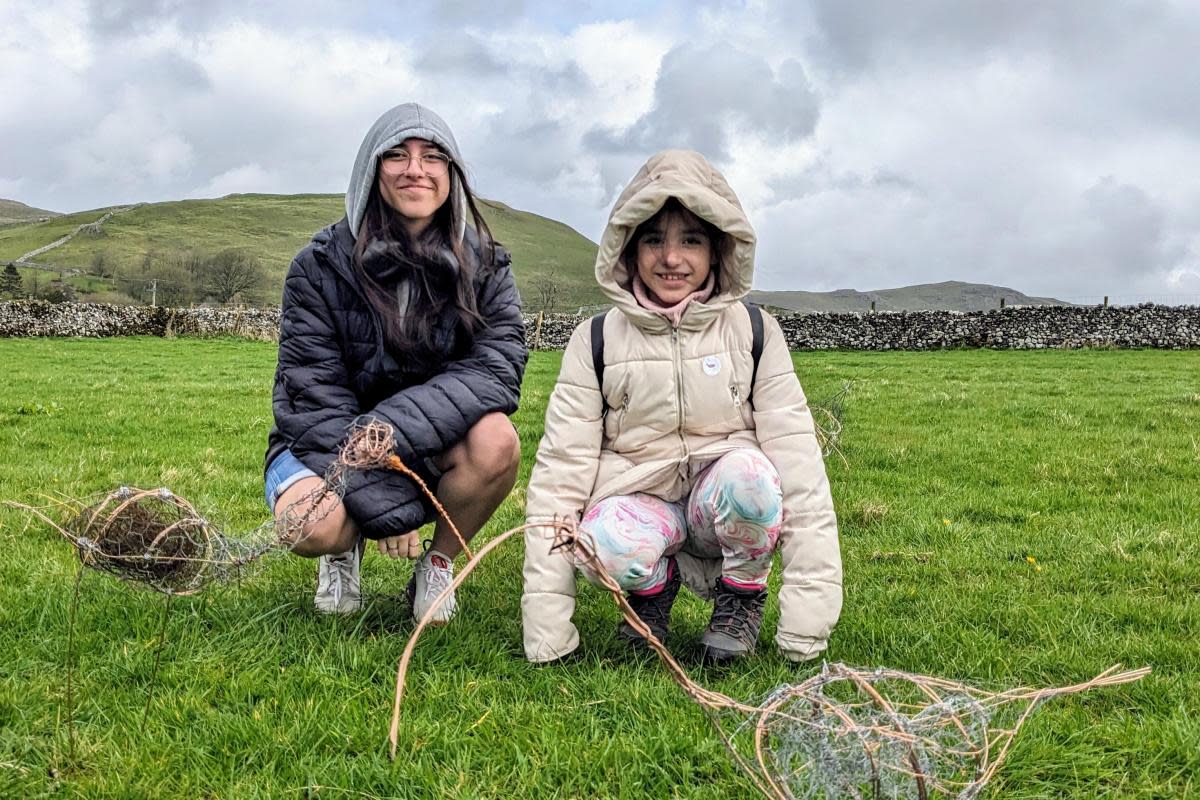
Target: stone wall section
<point>39,318</point>
<point>1032,328</point>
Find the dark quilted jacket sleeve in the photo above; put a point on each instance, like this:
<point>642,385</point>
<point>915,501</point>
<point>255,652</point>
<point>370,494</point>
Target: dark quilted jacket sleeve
<point>432,416</point>
<point>312,402</point>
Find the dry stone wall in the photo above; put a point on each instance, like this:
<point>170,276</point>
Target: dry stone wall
<point>39,318</point>
<point>1032,328</point>
<point>1164,327</point>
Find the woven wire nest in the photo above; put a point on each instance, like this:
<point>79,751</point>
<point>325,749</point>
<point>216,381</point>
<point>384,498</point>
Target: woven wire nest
<point>884,734</point>
<point>156,539</point>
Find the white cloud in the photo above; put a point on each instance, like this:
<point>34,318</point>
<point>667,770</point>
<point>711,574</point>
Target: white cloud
<point>246,178</point>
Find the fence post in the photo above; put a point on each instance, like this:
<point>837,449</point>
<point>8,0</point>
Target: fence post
<point>872,306</point>
<point>1002,302</point>
<point>537,331</point>
<point>1106,301</point>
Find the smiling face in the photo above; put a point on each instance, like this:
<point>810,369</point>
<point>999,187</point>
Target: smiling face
<point>414,180</point>
<point>675,253</point>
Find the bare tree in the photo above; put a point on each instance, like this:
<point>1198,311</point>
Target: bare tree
<point>102,265</point>
<point>231,273</point>
<point>547,290</point>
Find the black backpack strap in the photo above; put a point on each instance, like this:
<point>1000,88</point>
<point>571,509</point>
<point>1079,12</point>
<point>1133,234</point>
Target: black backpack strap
<point>598,352</point>
<point>756,342</point>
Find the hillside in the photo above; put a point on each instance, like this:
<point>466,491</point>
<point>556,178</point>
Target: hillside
<point>553,263</point>
<point>947,296</point>
<point>272,228</point>
<point>12,212</point>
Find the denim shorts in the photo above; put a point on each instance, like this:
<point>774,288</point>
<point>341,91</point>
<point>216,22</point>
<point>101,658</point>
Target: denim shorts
<point>284,470</point>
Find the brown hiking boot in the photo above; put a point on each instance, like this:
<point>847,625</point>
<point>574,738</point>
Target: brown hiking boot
<point>736,618</point>
<point>654,610</point>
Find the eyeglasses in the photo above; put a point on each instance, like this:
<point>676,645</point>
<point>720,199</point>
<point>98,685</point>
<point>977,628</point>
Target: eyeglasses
<point>396,162</point>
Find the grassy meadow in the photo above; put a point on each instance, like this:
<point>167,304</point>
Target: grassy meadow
<point>1007,518</point>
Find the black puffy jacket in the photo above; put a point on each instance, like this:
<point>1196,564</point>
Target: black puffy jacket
<point>334,368</point>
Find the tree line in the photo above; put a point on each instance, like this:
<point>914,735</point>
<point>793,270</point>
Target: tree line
<point>165,279</point>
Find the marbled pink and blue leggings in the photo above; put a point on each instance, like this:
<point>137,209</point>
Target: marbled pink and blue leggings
<point>734,513</point>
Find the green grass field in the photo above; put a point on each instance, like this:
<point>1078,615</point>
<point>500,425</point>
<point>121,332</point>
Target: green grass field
<point>1007,518</point>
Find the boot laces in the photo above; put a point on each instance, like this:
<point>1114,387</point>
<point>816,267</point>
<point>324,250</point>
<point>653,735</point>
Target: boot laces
<point>734,615</point>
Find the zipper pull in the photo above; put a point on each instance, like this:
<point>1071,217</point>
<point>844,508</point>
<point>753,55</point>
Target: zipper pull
<point>737,396</point>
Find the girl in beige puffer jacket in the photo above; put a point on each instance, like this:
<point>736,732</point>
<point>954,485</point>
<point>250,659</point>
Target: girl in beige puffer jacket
<point>690,464</point>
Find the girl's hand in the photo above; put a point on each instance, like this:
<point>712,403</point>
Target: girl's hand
<point>406,545</point>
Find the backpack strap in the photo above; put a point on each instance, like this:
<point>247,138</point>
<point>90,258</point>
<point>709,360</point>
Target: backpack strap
<point>756,343</point>
<point>598,353</point>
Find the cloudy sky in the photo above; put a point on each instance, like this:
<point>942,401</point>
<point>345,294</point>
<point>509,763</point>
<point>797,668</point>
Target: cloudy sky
<point>1052,147</point>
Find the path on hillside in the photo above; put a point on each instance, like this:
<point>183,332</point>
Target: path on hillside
<point>93,226</point>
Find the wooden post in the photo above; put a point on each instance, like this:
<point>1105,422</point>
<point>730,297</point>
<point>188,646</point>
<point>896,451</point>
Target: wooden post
<point>537,330</point>
<point>1002,302</point>
<point>1106,301</point>
<point>872,306</point>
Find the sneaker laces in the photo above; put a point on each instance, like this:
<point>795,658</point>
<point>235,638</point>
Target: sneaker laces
<point>340,569</point>
<point>437,577</point>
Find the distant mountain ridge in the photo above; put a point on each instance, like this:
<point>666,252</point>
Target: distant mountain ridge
<point>944,296</point>
<point>13,212</point>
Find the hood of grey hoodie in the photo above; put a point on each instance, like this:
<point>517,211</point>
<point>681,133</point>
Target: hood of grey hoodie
<point>405,121</point>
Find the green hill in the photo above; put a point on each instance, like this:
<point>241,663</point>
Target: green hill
<point>12,212</point>
<point>549,258</point>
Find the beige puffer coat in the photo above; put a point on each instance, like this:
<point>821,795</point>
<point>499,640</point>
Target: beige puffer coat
<point>669,417</point>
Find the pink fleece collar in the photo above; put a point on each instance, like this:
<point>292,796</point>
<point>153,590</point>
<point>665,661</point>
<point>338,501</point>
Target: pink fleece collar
<point>673,313</point>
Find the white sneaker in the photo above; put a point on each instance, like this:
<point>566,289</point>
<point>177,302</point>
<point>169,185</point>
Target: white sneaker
<point>339,582</point>
<point>432,575</point>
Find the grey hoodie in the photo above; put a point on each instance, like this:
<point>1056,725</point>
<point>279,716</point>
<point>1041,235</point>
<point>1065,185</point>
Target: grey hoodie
<point>405,121</point>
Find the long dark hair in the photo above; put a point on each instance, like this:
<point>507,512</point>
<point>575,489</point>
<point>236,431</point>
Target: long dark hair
<point>387,260</point>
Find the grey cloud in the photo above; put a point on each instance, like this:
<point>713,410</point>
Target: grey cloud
<point>462,55</point>
<point>1109,61</point>
<point>123,18</point>
<point>119,18</point>
<point>456,12</point>
<point>1127,231</point>
<point>701,90</point>
<point>524,149</point>
<point>859,34</point>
